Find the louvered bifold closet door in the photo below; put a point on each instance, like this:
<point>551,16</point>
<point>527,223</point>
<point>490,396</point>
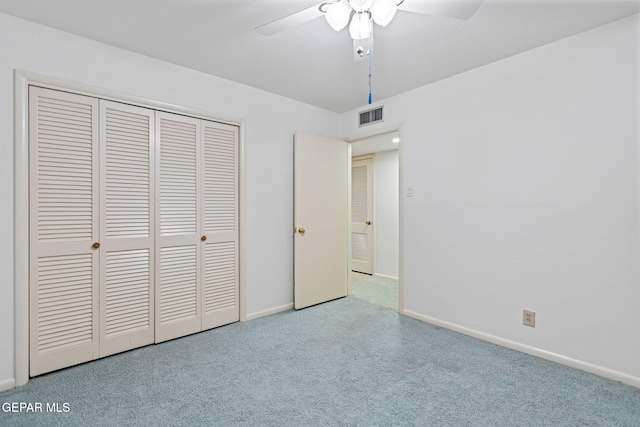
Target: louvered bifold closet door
<point>220,225</point>
<point>178,243</point>
<point>63,144</point>
<point>361,215</point>
<point>127,227</point>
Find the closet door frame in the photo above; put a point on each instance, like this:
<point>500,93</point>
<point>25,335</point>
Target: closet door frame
<point>22,80</point>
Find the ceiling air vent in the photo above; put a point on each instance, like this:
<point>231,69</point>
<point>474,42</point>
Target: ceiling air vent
<point>370,116</point>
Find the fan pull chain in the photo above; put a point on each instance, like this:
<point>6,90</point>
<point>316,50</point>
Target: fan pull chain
<point>370,53</point>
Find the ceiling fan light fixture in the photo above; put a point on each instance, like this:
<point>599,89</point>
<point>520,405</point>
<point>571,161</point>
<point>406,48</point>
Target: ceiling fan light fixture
<point>383,11</point>
<point>337,14</point>
<point>360,27</point>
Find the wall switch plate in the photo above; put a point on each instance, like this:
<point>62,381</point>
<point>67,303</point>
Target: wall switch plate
<point>529,318</point>
<point>410,191</point>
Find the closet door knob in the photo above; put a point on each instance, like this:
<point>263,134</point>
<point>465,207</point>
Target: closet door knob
<point>96,245</point>
<point>203,238</point>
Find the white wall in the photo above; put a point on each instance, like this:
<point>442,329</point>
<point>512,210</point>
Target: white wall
<point>270,122</point>
<point>386,213</point>
<point>526,185</point>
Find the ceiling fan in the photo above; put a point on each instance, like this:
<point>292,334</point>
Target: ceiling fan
<point>361,14</point>
<point>338,13</point>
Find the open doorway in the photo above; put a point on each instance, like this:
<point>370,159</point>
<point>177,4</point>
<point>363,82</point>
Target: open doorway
<point>375,236</point>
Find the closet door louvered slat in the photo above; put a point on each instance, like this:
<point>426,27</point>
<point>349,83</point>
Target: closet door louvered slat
<point>63,135</point>
<point>178,244</point>
<point>220,272</point>
<point>127,227</point>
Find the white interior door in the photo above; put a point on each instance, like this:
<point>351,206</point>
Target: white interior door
<point>178,239</point>
<point>64,222</point>
<point>197,279</point>
<point>321,215</point>
<point>127,227</point>
<point>362,215</point>
<point>220,296</point>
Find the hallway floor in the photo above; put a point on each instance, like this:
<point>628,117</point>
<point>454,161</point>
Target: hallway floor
<point>375,290</point>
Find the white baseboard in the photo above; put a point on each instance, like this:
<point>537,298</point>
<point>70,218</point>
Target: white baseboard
<point>384,276</point>
<point>268,312</point>
<point>513,345</point>
<point>7,384</point>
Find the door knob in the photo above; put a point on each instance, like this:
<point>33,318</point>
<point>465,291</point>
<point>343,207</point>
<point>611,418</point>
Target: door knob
<point>302,230</point>
<point>203,238</point>
<point>368,222</point>
<point>96,245</point>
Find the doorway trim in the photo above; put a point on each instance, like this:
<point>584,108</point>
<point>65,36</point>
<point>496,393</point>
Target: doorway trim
<point>22,80</point>
<point>379,130</point>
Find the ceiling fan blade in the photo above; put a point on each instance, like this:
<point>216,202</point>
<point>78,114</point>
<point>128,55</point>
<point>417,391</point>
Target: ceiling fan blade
<point>459,9</point>
<point>290,21</point>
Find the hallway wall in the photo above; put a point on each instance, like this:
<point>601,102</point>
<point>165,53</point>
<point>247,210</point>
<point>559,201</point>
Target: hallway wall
<point>386,215</point>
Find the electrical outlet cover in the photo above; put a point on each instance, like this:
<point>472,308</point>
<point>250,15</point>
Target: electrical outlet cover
<point>529,318</point>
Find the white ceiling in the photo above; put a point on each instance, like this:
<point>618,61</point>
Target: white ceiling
<point>311,62</point>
